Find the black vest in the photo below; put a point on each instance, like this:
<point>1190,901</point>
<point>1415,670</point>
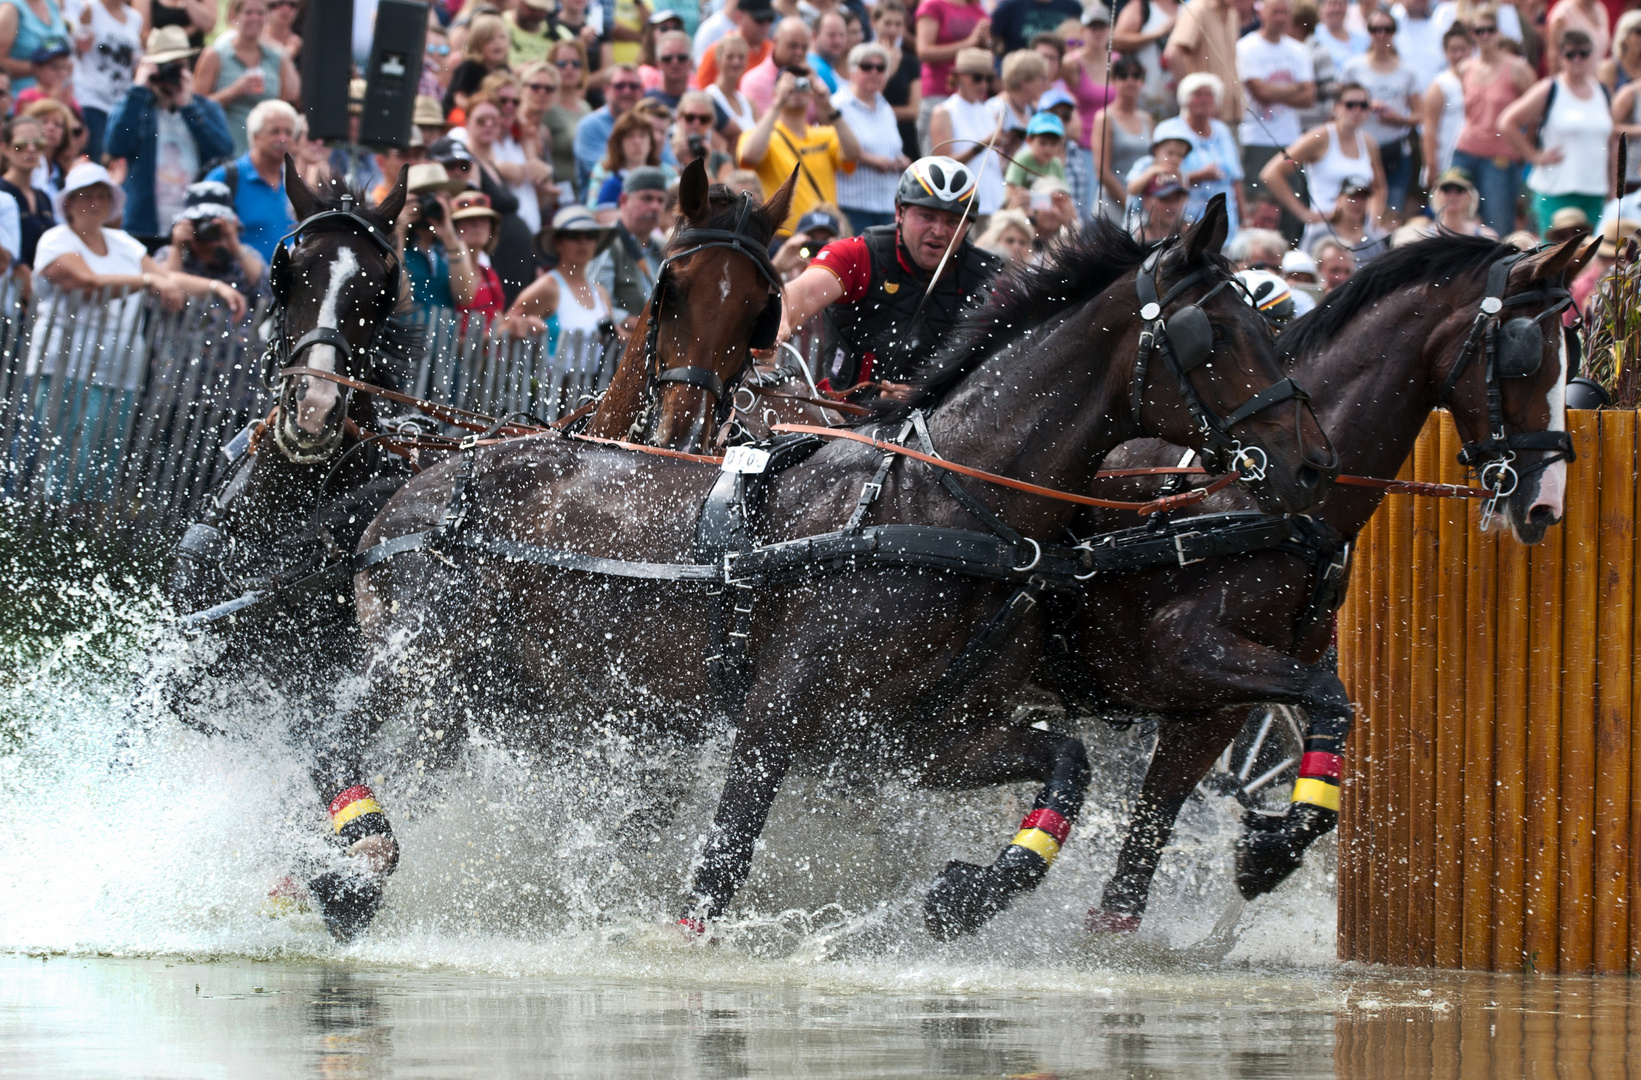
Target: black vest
<point>880,323</point>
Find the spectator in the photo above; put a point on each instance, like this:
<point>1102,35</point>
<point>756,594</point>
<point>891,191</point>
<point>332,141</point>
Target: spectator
<point>945,28</point>
<point>627,268</point>
<point>1418,41</point>
<point>53,68</point>
<point>1493,79</point>
<point>569,108</point>
<point>961,126</point>
<point>1565,224</point>
<point>165,132</point>
<point>257,177</point>
<point>196,18</point>
<point>1162,208</point>
<point>692,135</point>
<point>1140,31</point>
<point>1352,224</point>
<point>1214,165</point>
<point>311,155</point>
<point>1343,43</point>
<point>1334,264</point>
<point>1463,13</point>
<point>1045,140</point>
<point>1587,16</point>
<point>1277,78</point>
<point>107,46</point>
<point>672,57</point>
<point>279,32</point>
<point>513,249</point>
<point>752,20</point>
<point>205,242</point>
<point>661,119</point>
<point>1123,132</point>
<point>1086,70</point>
<point>23,145</point>
<point>540,82</point>
<point>830,51</point>
<point>1304,31</point>
<point>746,180</point>
<point>1009,235</point>
<point>1333,156</point>
<point>578,21</point>
<point>441,272</point>
<point>815,230</point>
<point>1444,107</point>
<point>1079,163</point>
<point>25,26</point>
<point>1455,203</point>
<point>57,122</point>
<point>783,140</point>
<point>867,195</point>
<point>485,50</point>
<point>428,118</point>
<point>904,88</point>
<point>790,53</point>
<point>1053,214</point>
<point>240,72</point>
<point>688,13</point>
<point>1574,125</point>
<point>516,153</point>
<point>1052,48</point>
<point>1015,24</point>
<point>658,23</point>
<point>592,132</point>
<point>624,21</point>
<point>1393,94</point>
<point>1257,249</point>
<point>1299,271</point>
<point>632,146</point>
<point>528,35</point>
<point>1167,158</point>
<point>1204,42</point>
<point>435,66</point>
<point>1624,65</point>
<point>478,229</point>
<point>735,113</point>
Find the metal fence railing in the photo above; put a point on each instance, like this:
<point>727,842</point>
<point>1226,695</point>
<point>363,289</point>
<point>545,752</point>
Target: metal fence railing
<point>114,412</point>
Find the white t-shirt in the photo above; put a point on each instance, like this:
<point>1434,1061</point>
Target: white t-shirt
<point>102,74</point>
<point>108,352</point>
<point>1394,88</point>
<point>1419,46</point>
<point>175,166</point>
<point>1282,61</point>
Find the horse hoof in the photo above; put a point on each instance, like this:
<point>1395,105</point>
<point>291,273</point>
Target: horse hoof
<point>1100,921</point>
<point>347,902</point>
<point>1271,849</point>
<point>962,898</point>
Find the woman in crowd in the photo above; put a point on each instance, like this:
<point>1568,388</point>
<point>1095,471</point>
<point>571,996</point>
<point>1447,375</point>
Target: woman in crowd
<point>867,195</point>
<point>569,59</point>
<point>539,82</point>
<point>478,228</point>
<point>574,22</point>
<point>692,135</point>
<point>516,154</point>
<point>239,71</point>
<point>57,124</point>
<point>1493,79</point>
<point>1444,106</point>
<point>903,90</point>
<point>511,253</point>
<point>24,147</point>
<point>1574,125</point>
<point>1334,156</point>
<point>1456,203</point>
<point>961,125</point>
<point>1589,16</point>
<point>1009,234</point>
<point>107,45</point>
<point>1085,70</point>
<point>632,144</point>
<point>1624,65</point>
<point>196,17</point>
<point>1123,129</point>
<point>1140,30</point>
<point>649,65</point>
<point>1214,165</point>
<point>944,28</point>
<point>279,32</point>
<point>736,113</point>
<point>1393,93</point>
<point>27,25</point>
<point>581,305</point>
<point>1341,42</point>
<point>1351,222</point>
<point>484,51</point>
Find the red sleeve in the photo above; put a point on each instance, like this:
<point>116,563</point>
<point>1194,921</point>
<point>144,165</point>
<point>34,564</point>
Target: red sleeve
<point>851,263</point>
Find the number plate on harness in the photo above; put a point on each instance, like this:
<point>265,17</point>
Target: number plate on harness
<point>744,459</point>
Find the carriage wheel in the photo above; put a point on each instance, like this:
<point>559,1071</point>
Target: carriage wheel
<point>1258,769</point>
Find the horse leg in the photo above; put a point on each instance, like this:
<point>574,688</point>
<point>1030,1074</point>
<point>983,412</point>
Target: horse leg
<point>758,762</point>
<point>964,896</point>
<point>1271,848</point>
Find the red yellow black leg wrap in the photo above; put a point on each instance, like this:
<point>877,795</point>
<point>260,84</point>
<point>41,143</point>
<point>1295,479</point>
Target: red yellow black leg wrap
<point>1318,782</point>
<point>355,814</point>
<point>1043,832</point>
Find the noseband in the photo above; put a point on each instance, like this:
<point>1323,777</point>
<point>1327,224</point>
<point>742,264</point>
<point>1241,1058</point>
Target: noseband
<point>1186,341</point>
<point>691,242</point>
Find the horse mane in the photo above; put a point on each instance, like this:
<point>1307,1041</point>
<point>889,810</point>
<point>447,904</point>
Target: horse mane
<point>1433,261</point>
<point>1077,270</point>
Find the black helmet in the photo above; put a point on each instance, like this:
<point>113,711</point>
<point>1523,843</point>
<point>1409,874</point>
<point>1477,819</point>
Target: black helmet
<point>1584,392</point>
<point>939,183</point>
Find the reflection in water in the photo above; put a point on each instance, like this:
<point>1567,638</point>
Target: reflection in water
<point>352,1037</point>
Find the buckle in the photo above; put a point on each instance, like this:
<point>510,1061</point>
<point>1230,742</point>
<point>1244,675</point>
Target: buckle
<point>1179,548</point>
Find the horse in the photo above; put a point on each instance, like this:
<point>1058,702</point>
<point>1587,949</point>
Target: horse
<point>1198,645</point>
<point>484,563</point>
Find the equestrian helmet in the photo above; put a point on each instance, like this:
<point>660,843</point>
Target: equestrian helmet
<point>1269,295</point>
<point>939,183</point>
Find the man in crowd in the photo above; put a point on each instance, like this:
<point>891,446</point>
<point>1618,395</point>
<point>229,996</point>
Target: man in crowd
<point>1053,214</point>
<point>830,54</point>
<point>165,133</point>
<point>873,285</point>
<point>257,177</point>
<point>1204,39</point>
<point>1419,41</point>
<point>1015,22</point>
<point>529,35</point>
<point>627,268</point>
<point>790,53</point>
<point>441,270</point>
<point>1277,77</point>
<point>1334,264</point>
<point>751,19</point>
<point>205,242</point>
<point>672,57</point>
<point>1162,209</point>
<point>784,140</point>
<point>622,91</point>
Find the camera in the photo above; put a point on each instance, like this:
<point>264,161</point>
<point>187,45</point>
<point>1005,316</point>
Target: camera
<point>431,209</point>
<point>169,74</point>
<point>801,84</point>
<point>208,231</point>
<point>697,146</point>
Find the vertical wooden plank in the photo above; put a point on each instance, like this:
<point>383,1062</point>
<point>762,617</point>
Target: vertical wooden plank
<point>1615,619</point>
<point>1510,755</point>
<point>1398,513</point>
<point>1378,827</point>
<point>1578,644</point>
<point>1448,891</point>
<point>1634,952</point>
<point>1481,554</point>
<point>1347,629</point>
<point>1421,734</point>
<point>1543,834</point>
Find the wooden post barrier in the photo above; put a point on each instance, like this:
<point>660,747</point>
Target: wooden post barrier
<point>1492,784</point>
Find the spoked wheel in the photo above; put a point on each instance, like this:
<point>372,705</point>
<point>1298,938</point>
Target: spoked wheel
<point>1260,766</point>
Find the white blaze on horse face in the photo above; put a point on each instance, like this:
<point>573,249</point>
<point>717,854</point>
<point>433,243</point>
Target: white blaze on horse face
<point>1552,484</point>
<point>319,396</point>
<point>724,285</point>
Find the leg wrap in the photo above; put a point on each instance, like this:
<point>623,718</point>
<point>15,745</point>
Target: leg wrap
<point>348,898</point>
<point>355,814</point>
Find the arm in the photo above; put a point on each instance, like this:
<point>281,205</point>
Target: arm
<point>1296,94</point>
<point>1108,178</point>
<point>1277,175</point>
<point>755,143</point>
<point>1127,36</point>
<point>8,38</point>
<point>1624,112</point>
<point>207,69</point>
<point>290,82</point>
<point>1435,103</point>
<point>208,124</point>
<point>528,315</point>
<point>848,144</point>
<point>928,29</point>
<point>914,102</point>
<point>1182,54</point>
<point>202,13</point>
<point>804,298</point>
<point>1381,187</point>
<point>122,140</point>
<point>1528,111</point>
<point>190,285</point>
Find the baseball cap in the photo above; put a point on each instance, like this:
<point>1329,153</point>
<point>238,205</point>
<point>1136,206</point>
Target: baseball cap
<point>51,49</point>
<point>1163,186</point>
<point>448,149</point>
<point>820,220</point>
<point>207,200</point>
<point>644,178</point>
<point>1298,262</point>
<point>1054,97</point>
<point>1046,123</point>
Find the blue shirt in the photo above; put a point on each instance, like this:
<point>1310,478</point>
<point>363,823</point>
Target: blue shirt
<point>592,138</point>
<point>819,65</point>
<point>429,272</point>
<point>264,212</point>
<point>1219,148</point>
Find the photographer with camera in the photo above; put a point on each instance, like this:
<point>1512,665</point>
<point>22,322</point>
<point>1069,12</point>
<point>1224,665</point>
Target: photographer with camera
<point>165,132</point>
<point>205,242</point>
<point>442,271</point>
<point>783,140</point>
<point>692,135</point>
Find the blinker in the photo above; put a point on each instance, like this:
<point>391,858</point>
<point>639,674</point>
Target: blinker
<point>1520,348</point>
<point>1191,336</point>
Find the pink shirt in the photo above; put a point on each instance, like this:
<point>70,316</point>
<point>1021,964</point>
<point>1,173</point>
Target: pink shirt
<point>955,22</point>
<point>758,84</point>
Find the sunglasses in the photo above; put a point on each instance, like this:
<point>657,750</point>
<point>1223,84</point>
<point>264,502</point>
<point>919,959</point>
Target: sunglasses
<point>1381,29</point>
<point>627,86</point>
<point>695,118</point>
<point>76,131</point>
<point>1074,43</point>
<point>1357,105</point>
<point>1484,29</point>
<point>23,146</point>
<point>1450,189</point>
<point>876,69</point>
<point>439,50</point>
<point>1576,54</point>
<point>573,62</point>
<point>682,58</point>
<point>457,166</point>
<point>542,88</point>
<point>976,78</point>
<point>577,236</point>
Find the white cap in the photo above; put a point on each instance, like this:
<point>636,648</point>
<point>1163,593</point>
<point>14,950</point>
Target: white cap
<point>1297,262</point>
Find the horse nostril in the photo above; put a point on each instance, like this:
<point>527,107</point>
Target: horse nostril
<point>1542,514</point>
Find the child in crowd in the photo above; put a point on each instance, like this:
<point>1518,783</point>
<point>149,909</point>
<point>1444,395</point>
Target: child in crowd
<point>1045,142</point>
<point>52,66</point>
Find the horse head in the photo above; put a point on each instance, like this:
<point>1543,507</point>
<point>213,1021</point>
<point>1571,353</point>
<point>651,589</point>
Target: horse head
<point>1207,374</point>
<point>1507,384</point>
<point>336,281</point>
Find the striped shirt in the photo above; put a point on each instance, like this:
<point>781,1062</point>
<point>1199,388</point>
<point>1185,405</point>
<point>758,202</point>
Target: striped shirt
<point>869,189</point>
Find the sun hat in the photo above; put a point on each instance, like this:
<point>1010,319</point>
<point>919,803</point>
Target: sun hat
<point>168,43</point>
<point>1298,262</point>
<point>1049,185</point>
<point>1568,219</point>
<point>1156,142</point>
<point>208,200</point>
<point>1046,123</point>
<point>474,205</point>
<point>428,112</point>
<point>1455,178</point>
<point>430,176</point>
<point>972,61</point>
<point>573,219</point>
<point>88,174</point>
<point>1613,233</point>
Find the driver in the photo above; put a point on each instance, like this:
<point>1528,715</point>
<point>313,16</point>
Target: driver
<point>872,285</point>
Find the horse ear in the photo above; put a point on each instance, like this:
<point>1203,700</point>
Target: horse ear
<point>1576,267</point>
<point>1208,235</point>
<point>303,199</point>
<point>394,201</point>
<point>1553,264</point>
<point>693,201</point>
<point>780,203</point>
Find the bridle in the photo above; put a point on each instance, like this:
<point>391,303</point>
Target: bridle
<point>1186,340</point>
<point>691,242</point>
<point>280,354</point>
<point>1513,348</point>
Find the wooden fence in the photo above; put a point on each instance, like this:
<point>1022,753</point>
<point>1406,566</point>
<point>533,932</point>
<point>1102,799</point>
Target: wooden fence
<point>1491,797</point>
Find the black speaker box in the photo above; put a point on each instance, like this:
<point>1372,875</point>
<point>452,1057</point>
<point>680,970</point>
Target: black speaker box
<point>327,65</point>
<point>395,69</point>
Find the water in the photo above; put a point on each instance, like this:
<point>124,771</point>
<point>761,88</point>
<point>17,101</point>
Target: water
<point>527,926</point>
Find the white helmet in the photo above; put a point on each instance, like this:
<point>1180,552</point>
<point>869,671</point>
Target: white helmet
<point>1269,295</point>
<point>938,182</point>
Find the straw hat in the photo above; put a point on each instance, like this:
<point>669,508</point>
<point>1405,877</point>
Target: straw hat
<point>168,43</point>
<point>428,112</point>
<point>975,62</point>
<point>430,176</point>
<point>575,219</point>
<point>476,204</point>
<point>1612,234</point>
<point>85,175</point>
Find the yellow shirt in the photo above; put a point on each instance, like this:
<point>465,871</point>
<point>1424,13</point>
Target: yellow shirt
<point>628,14</point>
<point>822,158</point>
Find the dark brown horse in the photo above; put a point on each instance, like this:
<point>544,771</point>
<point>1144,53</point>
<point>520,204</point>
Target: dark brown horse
<point>539,563</point>
<point>1201,644</point>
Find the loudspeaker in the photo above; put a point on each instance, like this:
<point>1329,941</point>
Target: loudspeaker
<point>327,65</point>
<point>395,69</point>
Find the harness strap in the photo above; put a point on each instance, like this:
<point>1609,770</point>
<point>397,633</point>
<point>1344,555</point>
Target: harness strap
<point>873,488</point>
<point>700,377</point>
<point>955,488</point>
<point>1274,394</point>
<point>998,631</point>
